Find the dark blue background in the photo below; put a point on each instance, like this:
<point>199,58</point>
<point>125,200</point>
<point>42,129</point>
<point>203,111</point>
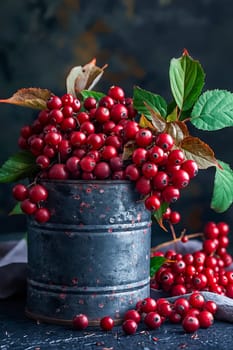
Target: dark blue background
<point>40,40</point>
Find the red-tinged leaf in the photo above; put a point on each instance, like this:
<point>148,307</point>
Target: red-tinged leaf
<point>144,122</point>
<point>29,97</point>
<point>177,130</point>
<point>157,121</point>
<point>129,147</point>
<point>83,77</point>
<point>199,151</point>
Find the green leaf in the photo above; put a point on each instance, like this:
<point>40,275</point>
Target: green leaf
<point>16,210</point>
<point>223,190</point>
<point>213,110</point>
<point>18,166</point>
<point>186,80</point>
<point>155,263</point>
<point>156,102</point>
<point>90,93</point>
<point>158,214</point>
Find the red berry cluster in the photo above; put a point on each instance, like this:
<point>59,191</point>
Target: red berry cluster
<point>192,313</point>
<point>32,198</point>
<point>74,140</point>
<point>203,270</point>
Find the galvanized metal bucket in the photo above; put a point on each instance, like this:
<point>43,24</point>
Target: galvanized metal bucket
<point>93,255</point>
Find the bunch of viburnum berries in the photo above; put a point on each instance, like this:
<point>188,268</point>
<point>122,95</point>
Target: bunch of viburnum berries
<point>74,140</point>
<point>88,135</point>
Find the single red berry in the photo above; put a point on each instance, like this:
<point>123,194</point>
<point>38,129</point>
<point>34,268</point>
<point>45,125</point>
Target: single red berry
<point>180,178</point>
<point>132,172</point>
<point>106,323</point>
<point>76,105</point>
<point>118,112</point>
<point>102,114</point>
<point>143,185</point>
<point>176,157</point>
<point>191,167</point>
<point>143,137</point>
<point>80,321</point>
<point>87,128</point>
<point>37,193</point>
<point>54,102</point>
<point>210,306</point>
<point>58,172</point>
<point>87,164</point>
<point>148,305</point>
<point>56,116</point>
<point>178,289</point>
<point>196,300</point>
<point>223,228</point>
<point>181,306</point>
<point>102,170</point>
<point>42,215</point>
<point>67,99</point>
<point>175,317</point>
<point>106,101</point>
<point>149,169</point>
<point>130,130</point>
<point>171,194</point>
<point>206,319</point>
<point>153,320</point>
<point>129,326</point>
<point>28,207</point>
<point>160,180</point>
<point>152,203</point>
<point>174,217</point>
<point>156,154</point>
<point>165,309</point>
<point>139,156</point>
<point>72,164</point>
<point>165,141</point>
<point>199,281</point>
<point>43,161</point>
<point>211,230</point>
<point>132,315</point>
<point>20,192</point>
<point>77,138</point>
<point>116,92</point>
<point>190,324</point>
<point>108,152</point>
<point>90,102</point>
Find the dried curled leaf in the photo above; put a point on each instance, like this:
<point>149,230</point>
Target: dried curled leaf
<point>144,122</point>
<point>199,151</point>
<point>156,119</point>
<point>83,77</point>
<point>29,97</point>
<point>129,147</point>
<point>177,130</point>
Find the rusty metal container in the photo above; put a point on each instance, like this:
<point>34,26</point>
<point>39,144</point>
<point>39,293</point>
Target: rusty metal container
<point>93,255</point>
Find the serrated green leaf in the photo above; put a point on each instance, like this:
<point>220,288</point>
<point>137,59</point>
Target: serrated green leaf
<point>213,110</point>
<point>18,166</point>
<point>186,80</point>
<point>142,97</point>
<point>223,190</point>
<point>16,210</point>
<point>155,263</point>
<point>90,93</point>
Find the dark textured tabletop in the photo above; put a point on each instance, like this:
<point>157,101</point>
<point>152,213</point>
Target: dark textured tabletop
<point>20,333</point>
